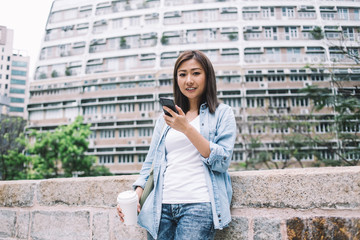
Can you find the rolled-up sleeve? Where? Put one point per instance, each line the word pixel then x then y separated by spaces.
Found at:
pixel 222 146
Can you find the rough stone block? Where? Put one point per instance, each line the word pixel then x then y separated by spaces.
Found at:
pixel 17 193
pixel 22 225
pixel 298 188
pixel 100 226
pixel 238 230
pixel 323 228
pixel 267 229
pixel 7 223
pixel 120 231
pixel 56 225
pixel 95 191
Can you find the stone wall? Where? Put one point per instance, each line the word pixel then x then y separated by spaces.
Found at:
pixel 312 203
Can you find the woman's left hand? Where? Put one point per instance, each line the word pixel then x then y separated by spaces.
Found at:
pixel 177 121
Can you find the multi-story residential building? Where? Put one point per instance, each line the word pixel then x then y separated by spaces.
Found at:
pixel 14 72
pixel 110 61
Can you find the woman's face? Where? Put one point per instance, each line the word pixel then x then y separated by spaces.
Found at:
pixel 191 80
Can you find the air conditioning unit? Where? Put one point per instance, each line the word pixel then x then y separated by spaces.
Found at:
pixel 145 115
pixel 263 85
pixel 132 142
pixel 144 142
pixel 307 83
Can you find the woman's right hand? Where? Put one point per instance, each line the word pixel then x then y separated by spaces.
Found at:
pixel 120 213
pixel 139 192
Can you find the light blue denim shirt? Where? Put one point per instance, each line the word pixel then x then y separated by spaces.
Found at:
pixel 219 129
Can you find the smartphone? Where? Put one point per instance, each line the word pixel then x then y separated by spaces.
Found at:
pixel 168 103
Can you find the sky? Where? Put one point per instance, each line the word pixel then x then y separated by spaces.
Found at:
pixel 28 20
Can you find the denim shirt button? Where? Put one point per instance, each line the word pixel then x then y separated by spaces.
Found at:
pixel 224 158
pixel 219 215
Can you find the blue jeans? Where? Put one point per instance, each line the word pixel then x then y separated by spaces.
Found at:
pixel 190 221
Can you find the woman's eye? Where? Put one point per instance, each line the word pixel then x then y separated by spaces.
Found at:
pixel 182 75
pixel 196 73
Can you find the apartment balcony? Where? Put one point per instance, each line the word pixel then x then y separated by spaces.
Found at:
pixel 262 58
pixel 262 36
pixel 340 36
pixel 122 6
pixel 65 32
pixel 340 16
pixel 184 2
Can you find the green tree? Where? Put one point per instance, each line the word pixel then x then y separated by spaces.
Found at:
pixel 11 128
pixel 317 33
pixel 45 151
pixel 164 40
pixel 64 149
pixel 73 146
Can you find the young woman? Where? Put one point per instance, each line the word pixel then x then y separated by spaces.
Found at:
pixel 190 152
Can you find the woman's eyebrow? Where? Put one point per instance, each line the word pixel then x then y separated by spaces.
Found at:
pixel 193 69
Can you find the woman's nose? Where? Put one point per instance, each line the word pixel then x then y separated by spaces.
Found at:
pixel 189 79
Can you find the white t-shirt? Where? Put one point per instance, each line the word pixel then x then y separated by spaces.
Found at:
pixel 184 177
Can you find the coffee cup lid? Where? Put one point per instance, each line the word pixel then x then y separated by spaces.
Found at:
pixel 126 195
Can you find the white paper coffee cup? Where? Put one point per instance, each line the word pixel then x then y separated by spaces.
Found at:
pixel 128 203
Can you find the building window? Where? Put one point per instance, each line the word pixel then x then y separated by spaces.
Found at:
pixel 141 158
pixel 107 159
pixel 19 64
pixel 276 78
pixel 288 12
pixel 92 110
pixel 106 109
pixel 124 159
pixel 92 135
pixel 255 102
pixel 257 129
pixel 16 109
pixel 126 107
pixel 145 107
pixel 18 73
pixel 233 102
pixel 18 82
pixel 299 102
pixel 323 128
pixel 17 90
pixel 126 133
pixel 237 157
pixel 279 130
pixel 145 132
pixel 296 78
pixel 107 134
pixel 279 156
pixel 16 100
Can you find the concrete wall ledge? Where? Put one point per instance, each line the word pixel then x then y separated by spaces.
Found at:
pixel 310 203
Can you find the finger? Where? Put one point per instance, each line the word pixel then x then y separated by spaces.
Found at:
pixel 180 110
pixel 138 207
pixel 120 213
pixel 169 110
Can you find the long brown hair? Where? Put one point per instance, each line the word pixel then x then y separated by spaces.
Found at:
pixel 210 94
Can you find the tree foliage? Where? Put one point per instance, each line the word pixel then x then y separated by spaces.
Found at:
pixel 11 131
pixel 62 151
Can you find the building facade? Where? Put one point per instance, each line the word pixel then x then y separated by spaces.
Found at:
pixel 14 76
pixel 110 61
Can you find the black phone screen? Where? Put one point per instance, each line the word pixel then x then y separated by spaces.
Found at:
pixel 168 103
